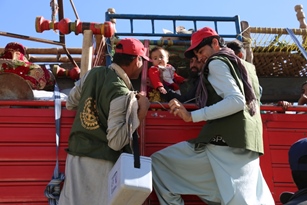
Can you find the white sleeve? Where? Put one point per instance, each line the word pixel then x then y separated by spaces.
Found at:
pixel 226 87
pixel 75 94
pixel 118 133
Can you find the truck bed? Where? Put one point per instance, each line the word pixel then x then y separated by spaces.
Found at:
pixel 28 148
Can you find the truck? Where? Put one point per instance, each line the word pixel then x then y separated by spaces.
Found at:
pixel 34 132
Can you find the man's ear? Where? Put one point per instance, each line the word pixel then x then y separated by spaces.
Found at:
pixel 135 60
pixel 215 43
pixel 240 55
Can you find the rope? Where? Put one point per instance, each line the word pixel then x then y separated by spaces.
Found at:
pixel 53 189
pixel 74 8
pixel 54 10
pixel 161 105
pixel 247 40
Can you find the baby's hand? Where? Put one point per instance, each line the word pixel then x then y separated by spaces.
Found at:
pixel 162 90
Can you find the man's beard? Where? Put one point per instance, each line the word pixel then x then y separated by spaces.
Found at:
pixel 193 73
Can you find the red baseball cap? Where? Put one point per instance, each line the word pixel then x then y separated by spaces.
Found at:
pixel 197 38
pixel 13 46
pixel 132 46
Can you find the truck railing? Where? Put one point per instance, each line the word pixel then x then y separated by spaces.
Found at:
pixel 174 19
pixel 154 20
pixel 153 106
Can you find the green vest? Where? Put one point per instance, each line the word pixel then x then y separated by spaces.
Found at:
pixel 89 130
pixel 239 130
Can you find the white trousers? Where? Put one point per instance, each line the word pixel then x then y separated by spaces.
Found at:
pixel 86 181
pixel 216 174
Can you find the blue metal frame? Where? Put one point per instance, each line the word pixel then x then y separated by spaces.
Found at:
pixel 174 19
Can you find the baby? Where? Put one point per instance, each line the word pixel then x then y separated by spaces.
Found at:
pixel 161 72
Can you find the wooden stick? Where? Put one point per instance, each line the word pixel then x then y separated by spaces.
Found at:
pixel 247 42
pixel 51 55
pixel 40 40
pixel 264 30
pixel 87 52
pixel 99 50
pixel 300 16
pixel 54 51
pixel 14 35
pixel 69 56
pixel 36 59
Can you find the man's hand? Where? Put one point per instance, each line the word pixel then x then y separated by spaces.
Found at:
pixel 177 108
pixel 284 104
pixel 143 104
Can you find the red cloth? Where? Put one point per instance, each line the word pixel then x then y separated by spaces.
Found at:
pixel 13 60
pixel 156 79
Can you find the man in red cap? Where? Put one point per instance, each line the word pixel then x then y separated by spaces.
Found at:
pixel 104 99
pixel 221 165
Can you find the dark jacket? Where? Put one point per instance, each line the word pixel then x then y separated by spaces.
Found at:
pixel 239 130
pixel 88 136
pixel 297 198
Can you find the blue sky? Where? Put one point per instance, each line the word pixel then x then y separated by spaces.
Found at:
pixel 19 16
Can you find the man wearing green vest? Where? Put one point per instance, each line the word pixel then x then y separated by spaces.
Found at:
pixel 108 112
pixel 221 165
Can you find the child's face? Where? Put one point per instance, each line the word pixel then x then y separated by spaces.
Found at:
pixel 159 58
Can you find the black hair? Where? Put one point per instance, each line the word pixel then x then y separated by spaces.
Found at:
pixel 208 41
pixel 300 179
pixel 235 46
pixel 156 48
pixel 122 59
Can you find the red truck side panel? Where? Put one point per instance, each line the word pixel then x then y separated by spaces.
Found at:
pixel 27 153
pixel 27 149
